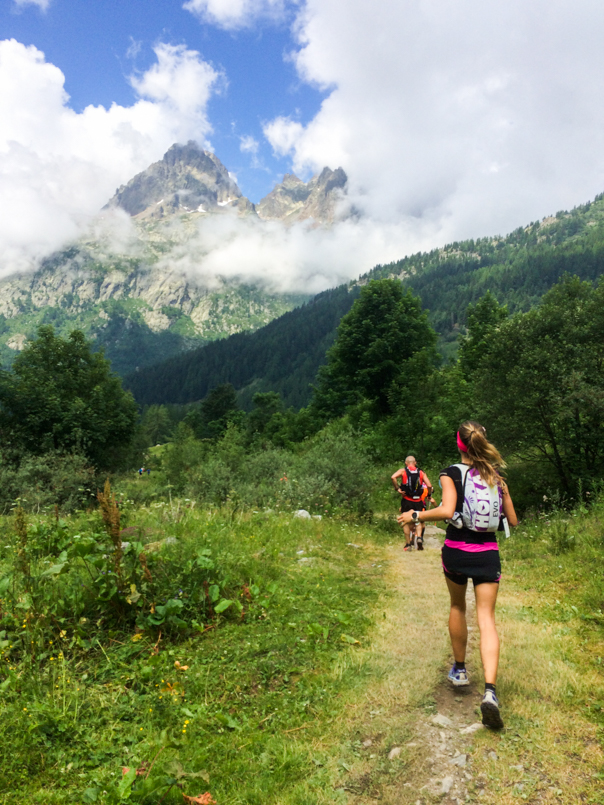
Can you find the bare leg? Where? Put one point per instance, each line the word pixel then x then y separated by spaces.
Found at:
pixel 407 530
pixel 458 628
pixel 486 596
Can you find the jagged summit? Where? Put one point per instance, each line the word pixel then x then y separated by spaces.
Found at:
pixel 294 200
pixel 187 179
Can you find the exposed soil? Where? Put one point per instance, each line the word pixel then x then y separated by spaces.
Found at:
pixel 444 740
pixel 436 762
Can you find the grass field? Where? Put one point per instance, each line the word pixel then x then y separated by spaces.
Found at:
pixel 292 645
pixel 208 703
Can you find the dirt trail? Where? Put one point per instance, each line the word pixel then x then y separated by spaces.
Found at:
pixel 415 729
pixel 412 739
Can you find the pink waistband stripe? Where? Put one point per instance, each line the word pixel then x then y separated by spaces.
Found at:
pixel 470 547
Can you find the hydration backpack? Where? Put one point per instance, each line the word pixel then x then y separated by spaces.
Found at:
pixel 482 504
pixel 411 487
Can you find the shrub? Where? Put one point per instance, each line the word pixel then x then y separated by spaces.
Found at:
pixel 331 472
pixel 63 479
pixel 107 577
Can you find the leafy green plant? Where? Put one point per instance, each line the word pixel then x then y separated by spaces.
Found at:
pixel 242 643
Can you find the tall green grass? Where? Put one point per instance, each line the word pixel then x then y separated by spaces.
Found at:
pixel 219 699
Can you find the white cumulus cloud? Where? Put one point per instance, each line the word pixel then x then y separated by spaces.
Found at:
pixel 457 119
pixel 233 14
pixel 248 144
pixel 58 167
pixel 42 4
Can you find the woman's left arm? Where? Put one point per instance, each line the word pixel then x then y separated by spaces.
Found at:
pixel 508 506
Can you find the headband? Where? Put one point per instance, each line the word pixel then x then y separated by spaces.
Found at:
pixel 460 444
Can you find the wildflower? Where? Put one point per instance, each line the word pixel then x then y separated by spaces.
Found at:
pixel 62 633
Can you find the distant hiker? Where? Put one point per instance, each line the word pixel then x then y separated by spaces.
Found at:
pixel 141 470
pixel 415 487
pixel 476 503
pixel 148 471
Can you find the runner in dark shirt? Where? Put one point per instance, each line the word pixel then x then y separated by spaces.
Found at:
pixel 415 487
pixel 473 553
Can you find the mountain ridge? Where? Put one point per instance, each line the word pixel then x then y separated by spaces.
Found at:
pixel 136 291
pixel 189 179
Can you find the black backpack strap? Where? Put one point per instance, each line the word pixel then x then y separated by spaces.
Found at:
pixel 463 469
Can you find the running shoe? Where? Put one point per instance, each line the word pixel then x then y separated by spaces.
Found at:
pixel 458 678
pixel 491 717
pixel 408 546
pixel 420 544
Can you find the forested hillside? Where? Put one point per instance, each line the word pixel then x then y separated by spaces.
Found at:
pixel 517 269
pixel 284 356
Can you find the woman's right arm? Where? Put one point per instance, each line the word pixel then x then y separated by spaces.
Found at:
pixel 508 506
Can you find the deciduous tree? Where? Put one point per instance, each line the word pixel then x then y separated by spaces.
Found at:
pixel 62 396
pixel 540 382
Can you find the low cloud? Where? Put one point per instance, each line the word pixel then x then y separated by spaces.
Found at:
pixel 58 167
pixel 297 259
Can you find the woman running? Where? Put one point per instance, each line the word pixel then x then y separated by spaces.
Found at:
pixel 473 553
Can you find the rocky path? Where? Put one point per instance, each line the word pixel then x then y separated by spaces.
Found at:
pixel 446 737
pixel 411 698
pixel 412 739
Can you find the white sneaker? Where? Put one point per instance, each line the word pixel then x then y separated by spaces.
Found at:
pixel 458 678
pixel 491 717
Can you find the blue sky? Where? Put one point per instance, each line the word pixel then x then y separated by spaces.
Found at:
pixel 98 43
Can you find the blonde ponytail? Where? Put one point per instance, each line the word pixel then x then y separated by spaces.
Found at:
pixel 483 455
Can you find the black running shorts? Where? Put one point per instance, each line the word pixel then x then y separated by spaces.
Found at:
pixel 412 505
pixel 483 567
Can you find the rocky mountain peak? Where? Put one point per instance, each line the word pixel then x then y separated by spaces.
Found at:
pixel 294 200
pixel 188 179
pixel 291 180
